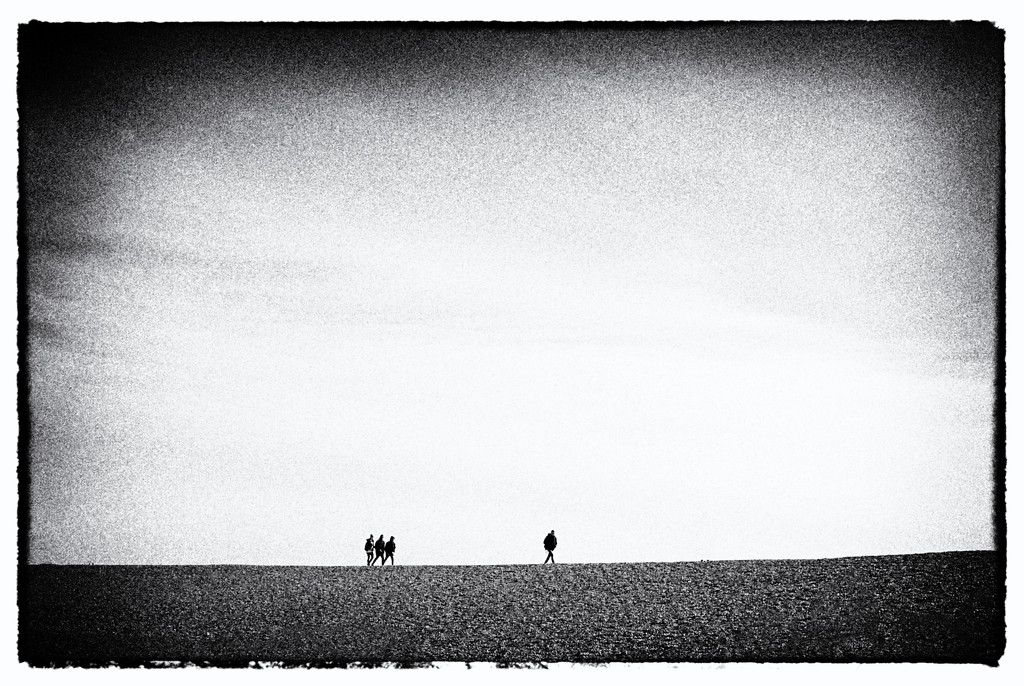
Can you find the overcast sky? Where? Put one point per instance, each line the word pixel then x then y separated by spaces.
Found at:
pixel 707 292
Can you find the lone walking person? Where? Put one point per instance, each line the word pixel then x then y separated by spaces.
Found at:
pixel 369 550
pixel 549 545
pixel 389 549
pixel 378 547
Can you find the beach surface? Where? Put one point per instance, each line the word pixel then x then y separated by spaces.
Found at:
pixel 936 607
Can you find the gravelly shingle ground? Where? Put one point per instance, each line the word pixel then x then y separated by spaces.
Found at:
pixel 942 607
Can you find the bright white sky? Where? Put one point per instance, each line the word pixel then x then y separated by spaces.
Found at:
pixel 702 304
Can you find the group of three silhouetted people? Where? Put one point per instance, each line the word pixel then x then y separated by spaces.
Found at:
pixel 380 550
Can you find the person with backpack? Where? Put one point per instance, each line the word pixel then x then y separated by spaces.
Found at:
pixel 378 547
pixel 389 549
pixel 368 547
pixel 549 545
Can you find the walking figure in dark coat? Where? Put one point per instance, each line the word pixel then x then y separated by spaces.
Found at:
pixel 378 547
pixel 549 545
pixel 369 550
pixel 389 548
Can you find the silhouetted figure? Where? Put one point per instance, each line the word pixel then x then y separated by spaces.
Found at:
pixel 369 550
pixel 549 545
pixel 379 548
pixel 389 549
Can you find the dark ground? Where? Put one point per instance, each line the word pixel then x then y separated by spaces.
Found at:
pixel 942 607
